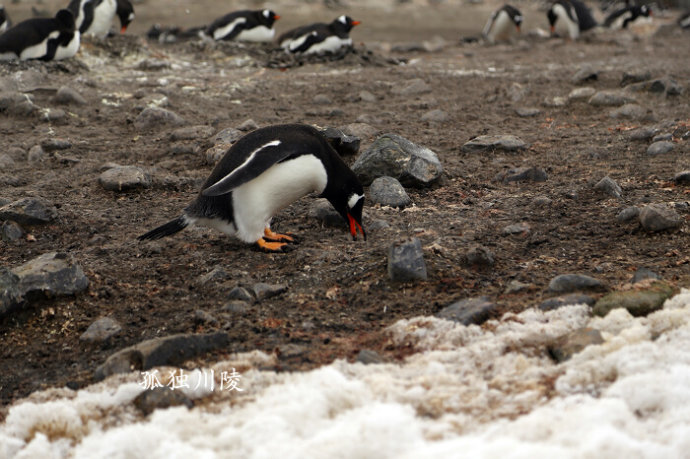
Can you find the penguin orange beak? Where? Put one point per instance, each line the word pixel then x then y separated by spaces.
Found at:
pixel 354 226
pixel 553 30
pixel 518 28
pixel 123 29
pixel 276 17
pixel 354 23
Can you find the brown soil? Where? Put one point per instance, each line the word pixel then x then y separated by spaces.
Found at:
pixel 339 299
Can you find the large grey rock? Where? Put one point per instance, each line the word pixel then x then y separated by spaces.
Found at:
pixel 17 104
pixel 170 350
pixel 241 294
pixel 659 217
pixel 659 148
pixel 406 262
pixel 635 77
pixel 29 211
pixel 68 96
pixel 638 302
pixel 609 186
pixel 101 330
pixel 387 191
pixel 572 343
pixel 567 283
pixel 159 398
pixel 10 231
pixel 585 74
pixel 628 214
pixel 192 133
pixel 263 291
pixel 643 133
pixel 665 86
pixel 480 256
pixel 487 143
pixel 630 111
pixel 682 178
pixel 394 156
pixel 581 93
pixel 124 178
pixel 156 117
pixel 345 145
pixel 527 112
pixel 10 295
pixel 49 275
pixel 6 162
pixel 369 357
pixel 468 311
pixel 644 274
pixel 566 300
pixel 522 174
pixel 227 136
pixel 609 99
pixel 324 213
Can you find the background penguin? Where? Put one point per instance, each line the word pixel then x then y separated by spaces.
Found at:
pixel 684 20
pixel 244 26
pixel 94 17
pixel 5 22
pixel 503 24
pixel 623 17
pixel 319 37
pixel 263 172
pixel 573 14
pixel 125 13
pixel 41 38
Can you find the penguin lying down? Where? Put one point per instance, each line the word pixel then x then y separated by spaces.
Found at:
pixel 265 171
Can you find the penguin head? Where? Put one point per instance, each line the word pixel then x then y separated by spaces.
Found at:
pixel 125 12
pixel 267 18
pixel 645 11
pixel 344 23
pixel 66 19
pixel 552 19
pixel 346 195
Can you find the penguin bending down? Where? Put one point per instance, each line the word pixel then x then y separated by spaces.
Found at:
pixel 503 24
pixel 573 14
pixel 265 171
pixel 5 22
pixel 94 17
pixel 623 17
pixel 319 37
pixel 41 38
pixel 244 26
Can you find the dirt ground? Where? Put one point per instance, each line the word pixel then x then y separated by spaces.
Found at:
pixel 339 299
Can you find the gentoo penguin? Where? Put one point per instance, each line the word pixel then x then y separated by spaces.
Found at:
pixel 94 17
pixel 623 17
pixel 573 14
pixel 125 13
pixel 263 172
pixel 5 22
pixel 319 37
pixel 503 24
pixel 244 26
pixel 41 38
pixel 684 20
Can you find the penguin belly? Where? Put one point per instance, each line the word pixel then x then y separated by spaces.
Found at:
pixel 103 16
pixel 259 34
pixel 330 45
pixel 65 52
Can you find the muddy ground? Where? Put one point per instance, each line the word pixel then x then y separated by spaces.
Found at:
pixel 340 299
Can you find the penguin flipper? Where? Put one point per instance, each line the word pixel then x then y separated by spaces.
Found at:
pixel 166 229
pixel 307 42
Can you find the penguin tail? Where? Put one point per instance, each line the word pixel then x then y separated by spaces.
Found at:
pixel 172 227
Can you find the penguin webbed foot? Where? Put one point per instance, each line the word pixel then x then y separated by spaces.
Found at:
pixel 273 247
pixel 280 237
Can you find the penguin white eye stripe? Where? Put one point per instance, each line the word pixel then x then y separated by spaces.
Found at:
pixel 343 19
pixel 354 199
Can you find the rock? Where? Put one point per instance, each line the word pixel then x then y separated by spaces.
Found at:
pixel 345 145
pixel 366 96
pixel 435 116
pixel 609 99
pixel 323 212
pixel 369 357
pixel 572 343
pixel 659 217
pixel 360 130
pixel 248 125
pixel 480 256
pixel 153 65
pixel 566 283
pixel 490 143
pixel 52 274
pixel 36 153
pixel 10 293
pixel 240 293
pixel 101 330
pixel 584 75
pixel 406 262
pixel 628 214
pixel 160 397
pixel 630 111
pixel 581 93
pixel 635 77
pixel 192 133
pixel 53 115
pixel 68 96
pixel 412 87
pixel 10 231
pixel 124 178
pixel 322 99
pixel 170 350
pixel 50 145
pixel 228 136
pixel 659 148
pixel 469 311
pixel 387 191
pixel 542 201
pixel 29 211
pixel 6 161
pixel 517 92
pixel 17 104
pixel 526 112
pixel 522 174
pixel 236 307
pixel 156 117
pixel 522 229
pixel 682 178
pixel 639 303
pixel 644 274
pixel 204 318
pixel 682 131
pixel 609 186
pixel 394 156
pixel 643 133
pixel 264 291
pixel 566 300
pixel 665 86
pixel 217 274
pixel 515 286
pixel 216 153
pixel 555 102
pixel 378 224
pixel 662 137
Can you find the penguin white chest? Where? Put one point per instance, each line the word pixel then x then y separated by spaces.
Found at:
pixel 501 28
pixel 329 45
pixel 65 52
pixel 103 16
pixel 256 201
pixel 565 22
pixel 258 33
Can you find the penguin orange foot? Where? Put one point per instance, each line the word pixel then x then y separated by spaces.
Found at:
pixel 278 237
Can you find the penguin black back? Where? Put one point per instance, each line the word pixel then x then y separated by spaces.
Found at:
pixel 623 17
pixel 240 24
pixel 38 38
pixel 125 13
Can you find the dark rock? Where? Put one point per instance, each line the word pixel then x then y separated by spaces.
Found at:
pixel 217 274
pixel 369 357
pixel 325 214
pixel 10 293
pixel 627 214
pixel 50 145
pixel 663 137
pixel 609 186
pixel 264 291
pixel 643 133
pixel 236 307
pixel 659 148
pixel 387 191
pixel 566 300
pixel 68 96
pixel 17 104
pixel 170 350
pixel 682 178
pixel 228 136
pixel 345 145
pixel 216 152
pixel 394 156
pixel 53 115
pixel 156 117
pixel 412 87
pixel 584 75
pixel 36 153
pixel 29 211
pixel 406 262
pixel 192 133
pixel 572 343
pixel 542 201
pixel 644 274
pixel 10 231
pixel 248 125
pixel 522 174
pixel 635 77
pixel 631 112
pixel 659 86
pixel 203 317
pixel 50 275
pixel 659 217
pixel 101 330
pixel 682 131
pixel 124 178
pixel 240 293
pixel 517 228
pixel 566 283
pixel 160 397
pixel 639 303
pixel 469 311
pixel 479 256
pixel 490 143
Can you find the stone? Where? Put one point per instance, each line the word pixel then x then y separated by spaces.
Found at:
pixel 522 229
pixel 469 311
pixel 101 330
pixel 644 274
pixel 412 87
pixel 263 291
pixel 567 283
pixel 68 96
pixel 204 318
pixel 581 93
pixel 517 92
pixel 55 144
pixel 324 213
pixel 394 156
pixel 322 99
pixel 10 294
pixel 639 303
pixel 609 99
pixel 153 65
pixel 630 111
pixel 643 133
pixel 29 211
pixel 435 116
pixel 663 137
pixel 527 112
pixel 584 75
pixel 515 286
pixel 609 187
pixel 236 307
pixel 666 86
pixel 660 148
pixel 568 345
pixel 159 398
pixel 240 293
pixel 360 130
pixel 345 145
pixel 6 161
pixel 248 125
pixel 49 275
pixel 628 214
pixel 369 357
pixel 17 104
pixel 192 133
pixel 36 153
pixel 490 143
pixel 156 117
pixel 406 262
pixel 635 77
pixel 366 96
pixel 53 115
pixel 542 201
pixel 10 231
pixel 682 178
pixel 480 256
pixel 216 153
pixel 124 178
pixel 522 174
pixel 387 191
pixel 217 274
pixel 566 300
pixel 555 102
pixel 170 350
pixel 659 217
pixel 228 136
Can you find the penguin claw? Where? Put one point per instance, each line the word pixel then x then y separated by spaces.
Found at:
pixel 273 247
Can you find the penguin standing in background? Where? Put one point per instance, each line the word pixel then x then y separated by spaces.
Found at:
pixel 573 15
pixel 623 17
pixel 125 13
pixel 94 17
pixel 5 22
pixel 684 20
pixel 503 24
pixel 319 37
pixel 41 38
pixel 244 26
pixel 263 172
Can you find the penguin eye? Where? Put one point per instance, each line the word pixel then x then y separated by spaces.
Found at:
pixel 353 200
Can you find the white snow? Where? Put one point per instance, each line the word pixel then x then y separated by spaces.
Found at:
pixel 468 391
